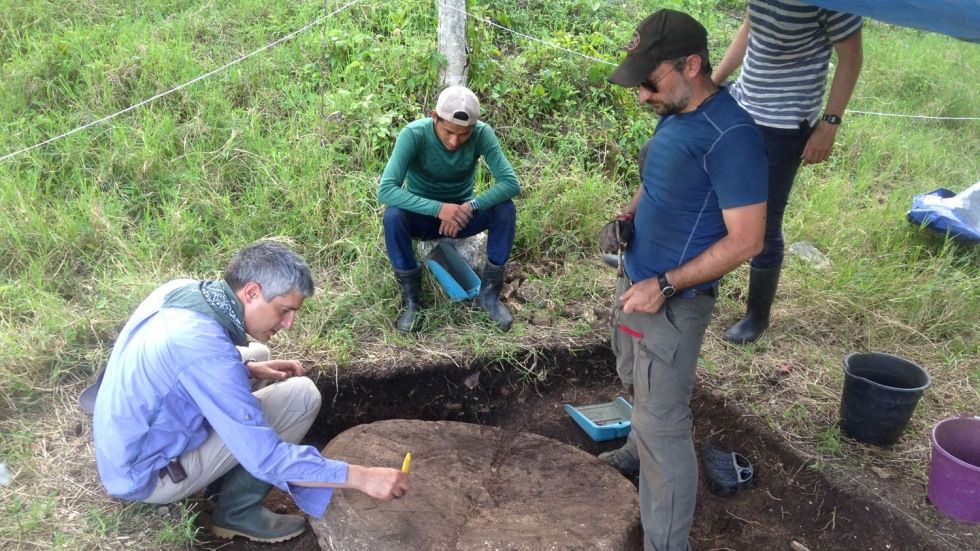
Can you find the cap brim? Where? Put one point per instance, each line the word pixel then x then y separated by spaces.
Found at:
pixel 630 72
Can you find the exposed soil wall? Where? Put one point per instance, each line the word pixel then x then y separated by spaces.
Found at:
pixel 793 501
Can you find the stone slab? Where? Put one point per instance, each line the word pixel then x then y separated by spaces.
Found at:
pixel 475 487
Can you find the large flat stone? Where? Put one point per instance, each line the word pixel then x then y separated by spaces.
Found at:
pixel 477 487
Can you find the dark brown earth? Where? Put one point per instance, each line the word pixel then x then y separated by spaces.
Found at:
pixel 793 506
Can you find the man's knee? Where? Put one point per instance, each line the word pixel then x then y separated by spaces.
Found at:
pixel 306 393
pixel 255 352
pixel 394 217
pixel 297 394
pixel 506 212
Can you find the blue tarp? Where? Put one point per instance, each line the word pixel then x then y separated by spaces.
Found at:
pixel 959 18
pixel 949 212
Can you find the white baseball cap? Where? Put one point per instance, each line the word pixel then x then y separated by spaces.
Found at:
pixel 458 105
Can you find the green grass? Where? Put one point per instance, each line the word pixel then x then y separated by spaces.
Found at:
pixel 291 143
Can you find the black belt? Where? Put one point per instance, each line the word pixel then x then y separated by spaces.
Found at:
pixel 692 293
pixel 689 292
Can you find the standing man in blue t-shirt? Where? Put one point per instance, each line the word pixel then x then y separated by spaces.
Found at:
pixel 699 213
pixel 784 49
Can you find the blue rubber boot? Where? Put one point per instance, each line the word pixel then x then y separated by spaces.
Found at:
pixel 239 511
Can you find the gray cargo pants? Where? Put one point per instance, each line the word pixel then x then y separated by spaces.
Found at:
pixel 663 350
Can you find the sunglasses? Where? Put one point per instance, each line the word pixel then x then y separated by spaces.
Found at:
pixel 651 85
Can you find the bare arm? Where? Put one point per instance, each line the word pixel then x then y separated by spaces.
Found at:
pixel 746 227
pixel 850 58
pixel 733 55
pixel 631 208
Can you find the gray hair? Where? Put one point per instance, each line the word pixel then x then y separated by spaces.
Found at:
pixel 274 266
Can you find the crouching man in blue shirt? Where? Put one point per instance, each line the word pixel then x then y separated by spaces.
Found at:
pixel 176 409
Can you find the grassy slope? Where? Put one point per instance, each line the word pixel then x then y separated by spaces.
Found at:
pixel 290 143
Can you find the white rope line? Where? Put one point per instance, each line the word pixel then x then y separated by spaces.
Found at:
pixel 928 117
pixel 273 44
pixel 552 45
pixel 319 20
pixel 527 36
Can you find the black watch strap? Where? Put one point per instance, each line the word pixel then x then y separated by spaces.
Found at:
pixel 666 288
pixel 831 119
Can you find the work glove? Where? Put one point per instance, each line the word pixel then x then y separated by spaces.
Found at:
pixel 609 241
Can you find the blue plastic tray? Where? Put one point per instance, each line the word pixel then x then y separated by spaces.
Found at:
pixel 452 272
pixel 603 421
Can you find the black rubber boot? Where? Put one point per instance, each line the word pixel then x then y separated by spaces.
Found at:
pixel 410 282
pixel 491 284
pixel 239 511
pixel 762 292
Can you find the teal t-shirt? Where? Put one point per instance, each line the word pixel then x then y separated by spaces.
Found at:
pixel 422 174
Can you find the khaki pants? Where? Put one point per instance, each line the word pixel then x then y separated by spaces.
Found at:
pixel 289 407
pixel 662 350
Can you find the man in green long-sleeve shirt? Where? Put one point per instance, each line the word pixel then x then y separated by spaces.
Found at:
pixel 428 188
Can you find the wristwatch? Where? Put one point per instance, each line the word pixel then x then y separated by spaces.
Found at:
pixel 473 205
pixel 831 119
pixel 666 288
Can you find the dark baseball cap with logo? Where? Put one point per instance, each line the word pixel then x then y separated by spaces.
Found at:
pixel 666 34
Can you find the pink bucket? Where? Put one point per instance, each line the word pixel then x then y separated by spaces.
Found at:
pixel 954 475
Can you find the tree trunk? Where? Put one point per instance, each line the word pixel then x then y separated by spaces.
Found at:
pixel 452 41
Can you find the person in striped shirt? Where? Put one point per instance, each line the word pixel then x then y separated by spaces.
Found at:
pixel 784 48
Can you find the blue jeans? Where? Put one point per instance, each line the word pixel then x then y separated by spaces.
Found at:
pixel 401 226
pixel 785 147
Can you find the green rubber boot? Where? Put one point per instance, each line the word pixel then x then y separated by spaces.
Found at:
pixel 239 511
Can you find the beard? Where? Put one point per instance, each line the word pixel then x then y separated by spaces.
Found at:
pixel 674 105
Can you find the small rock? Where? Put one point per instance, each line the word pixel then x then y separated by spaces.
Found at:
pixel 5 476
pixel 797 546
pixel 810 254
pixel 884 473
pixel 472 381
pixel 540 318
pixel 717 394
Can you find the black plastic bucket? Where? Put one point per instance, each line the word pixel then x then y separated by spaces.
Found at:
pixel 880 393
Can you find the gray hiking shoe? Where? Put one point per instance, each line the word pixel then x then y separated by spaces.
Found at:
pixel 623 460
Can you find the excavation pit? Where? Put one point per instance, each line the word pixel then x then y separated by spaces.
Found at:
pixel 793 502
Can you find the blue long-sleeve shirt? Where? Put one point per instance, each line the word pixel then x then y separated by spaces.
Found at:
pixel 173 376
